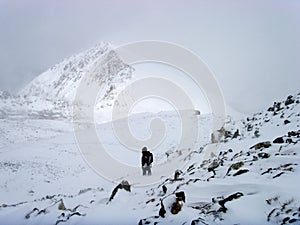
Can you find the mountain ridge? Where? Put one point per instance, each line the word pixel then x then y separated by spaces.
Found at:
pixel 54 90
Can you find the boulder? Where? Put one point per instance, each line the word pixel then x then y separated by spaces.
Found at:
pixel 263 155
pixel 278 140
pixel 211 168
pixel 180 196
pixel 240 172
pixel 162 210
pixel 123 185
pixel 294 133
pixel 176 207
pixel 177 174
pixel 265 144
pixel 289 100
pixel 222 202
pixel 164 188
pixel 61 205
pixel 235 166
pixel 236 134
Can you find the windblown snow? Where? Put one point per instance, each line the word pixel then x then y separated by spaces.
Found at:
pixel 45 180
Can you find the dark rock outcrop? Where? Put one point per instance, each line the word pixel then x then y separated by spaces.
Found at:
pixel 278 140
pixel 265 144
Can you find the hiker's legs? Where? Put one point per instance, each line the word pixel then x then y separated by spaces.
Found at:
pixel 144 170
pixel 149 170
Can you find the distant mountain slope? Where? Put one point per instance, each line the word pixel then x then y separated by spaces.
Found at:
pixel 61 81
pixel 54 90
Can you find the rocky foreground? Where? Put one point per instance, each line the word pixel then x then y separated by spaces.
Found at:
pixel 252 180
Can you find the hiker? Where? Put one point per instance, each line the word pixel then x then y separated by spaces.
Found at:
pixel 147 159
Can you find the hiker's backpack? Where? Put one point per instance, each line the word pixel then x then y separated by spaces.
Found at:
pixel 150 159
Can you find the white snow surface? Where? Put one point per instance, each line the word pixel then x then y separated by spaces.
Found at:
pixel 41 165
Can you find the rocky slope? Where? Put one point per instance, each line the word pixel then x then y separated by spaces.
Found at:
pixel 251 180
pixel 256 172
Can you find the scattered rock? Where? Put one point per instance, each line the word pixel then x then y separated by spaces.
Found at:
pixel 124 184
pixel 191 167
pixel 294 133
pixel 177 174
pixel 283 212
pixel 176 207
pixel 150 200
pixel 84 191
pixel 289 100
pixel 286 122
pixel 164 188
pixel 265 144
pixel 162 210
pixel 197 112
pixel 32 211
pixel 198 221
pixel 61 205
pixel 263 155
pixel 180 196
pixel 68 217
pixel 256 133
pixel 285 220
pixel 278 175
pixel 240 172
pixel 278 140
pixel 236 134
pixel 216 136
pixel 229 198
pixel 235 166
pixel 211 168
pixel 249 127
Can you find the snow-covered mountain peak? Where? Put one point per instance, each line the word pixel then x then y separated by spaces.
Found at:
pixel 61 81
pixel 54 90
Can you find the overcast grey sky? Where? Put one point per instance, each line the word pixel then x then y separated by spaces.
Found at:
pixel 252 47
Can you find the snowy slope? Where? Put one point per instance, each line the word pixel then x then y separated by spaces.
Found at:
pixel 251 179
pixel 269 187
pixel 46 181
pixel 52 93
pixel 61 81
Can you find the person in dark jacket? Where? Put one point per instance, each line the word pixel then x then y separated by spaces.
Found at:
pixel 147 159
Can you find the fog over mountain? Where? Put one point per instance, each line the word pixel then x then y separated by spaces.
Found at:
pixel 252 47
pixel 82 122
